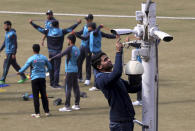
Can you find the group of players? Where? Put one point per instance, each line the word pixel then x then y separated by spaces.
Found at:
pixel 90 49
pixel 90 37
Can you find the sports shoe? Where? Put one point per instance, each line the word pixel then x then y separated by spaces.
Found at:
pixel 76 107
pixel 93 89
pixel 2 82
pixel 36 115
pixel 64 109
pixel 58 86
pixel 22 80
pixel 87 82
pixel 47 114
pixel 137 103
pixel 80 80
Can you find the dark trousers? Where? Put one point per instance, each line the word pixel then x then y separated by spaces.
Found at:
pixel 55 72
pixel 139 95
pixel 10 61
pixel 71 81
pixel 38 85
pixel 84 53
pixel 121 126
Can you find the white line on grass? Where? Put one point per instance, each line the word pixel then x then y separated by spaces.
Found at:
pixel 112 16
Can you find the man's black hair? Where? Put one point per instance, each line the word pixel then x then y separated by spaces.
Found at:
pixel 72 38
pixel 55 23
pixel 96 60
pixel 92 25
pixel 36 48
pixel 7 22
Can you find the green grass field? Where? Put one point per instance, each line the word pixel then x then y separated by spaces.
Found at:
pixel 176 66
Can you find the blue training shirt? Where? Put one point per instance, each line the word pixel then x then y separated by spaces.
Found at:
pixel 72 53
pixel 37 63
pixel 48 23
pixel 95 38
pixel 55 36
pixel 85 32
pixel 71 65
pixel 10 42
pixel 95 42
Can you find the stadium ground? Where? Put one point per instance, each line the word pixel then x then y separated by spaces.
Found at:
pixel 176 65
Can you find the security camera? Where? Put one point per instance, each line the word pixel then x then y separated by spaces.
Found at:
pixel 134 67
pixel 122 31
pixel 162 35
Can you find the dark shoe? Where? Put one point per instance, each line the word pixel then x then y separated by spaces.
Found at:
pixel 52 86
pixel 57 102
pixel 58 86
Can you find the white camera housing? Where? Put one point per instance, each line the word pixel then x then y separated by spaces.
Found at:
pixel 122 31
pixel 134 68
pixel 154 31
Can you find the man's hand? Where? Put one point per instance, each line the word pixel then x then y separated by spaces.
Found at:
pixel 18 73
pixel 119 46
pixel 73 32
pixel 117 37
pixel 30 21
pixel 127 39
pixel 13 56
pixel 79 21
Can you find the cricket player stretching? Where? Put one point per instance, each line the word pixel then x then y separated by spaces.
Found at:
pixel 72 53
pixel 95 37
pixel 10 45
pixel 38 62
pixel 55 40
pixel 85 52
pixel 48 23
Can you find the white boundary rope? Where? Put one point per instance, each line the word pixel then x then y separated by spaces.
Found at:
pixel 111 16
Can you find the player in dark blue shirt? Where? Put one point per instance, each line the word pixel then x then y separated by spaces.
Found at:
pixel 116 90
pixel 10 45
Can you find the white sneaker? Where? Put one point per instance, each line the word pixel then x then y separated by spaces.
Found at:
pixel 137 103
pixel 47 114
pixel 36 115
pixel 87 82
pixel 76 107
pixel 93 89
pixel 64 109
pixel 80 80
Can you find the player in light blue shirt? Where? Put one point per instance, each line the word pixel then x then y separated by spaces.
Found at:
pixel 38 64
pixel 72 53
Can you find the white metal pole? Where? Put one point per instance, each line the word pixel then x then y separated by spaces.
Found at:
pixel 150 76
